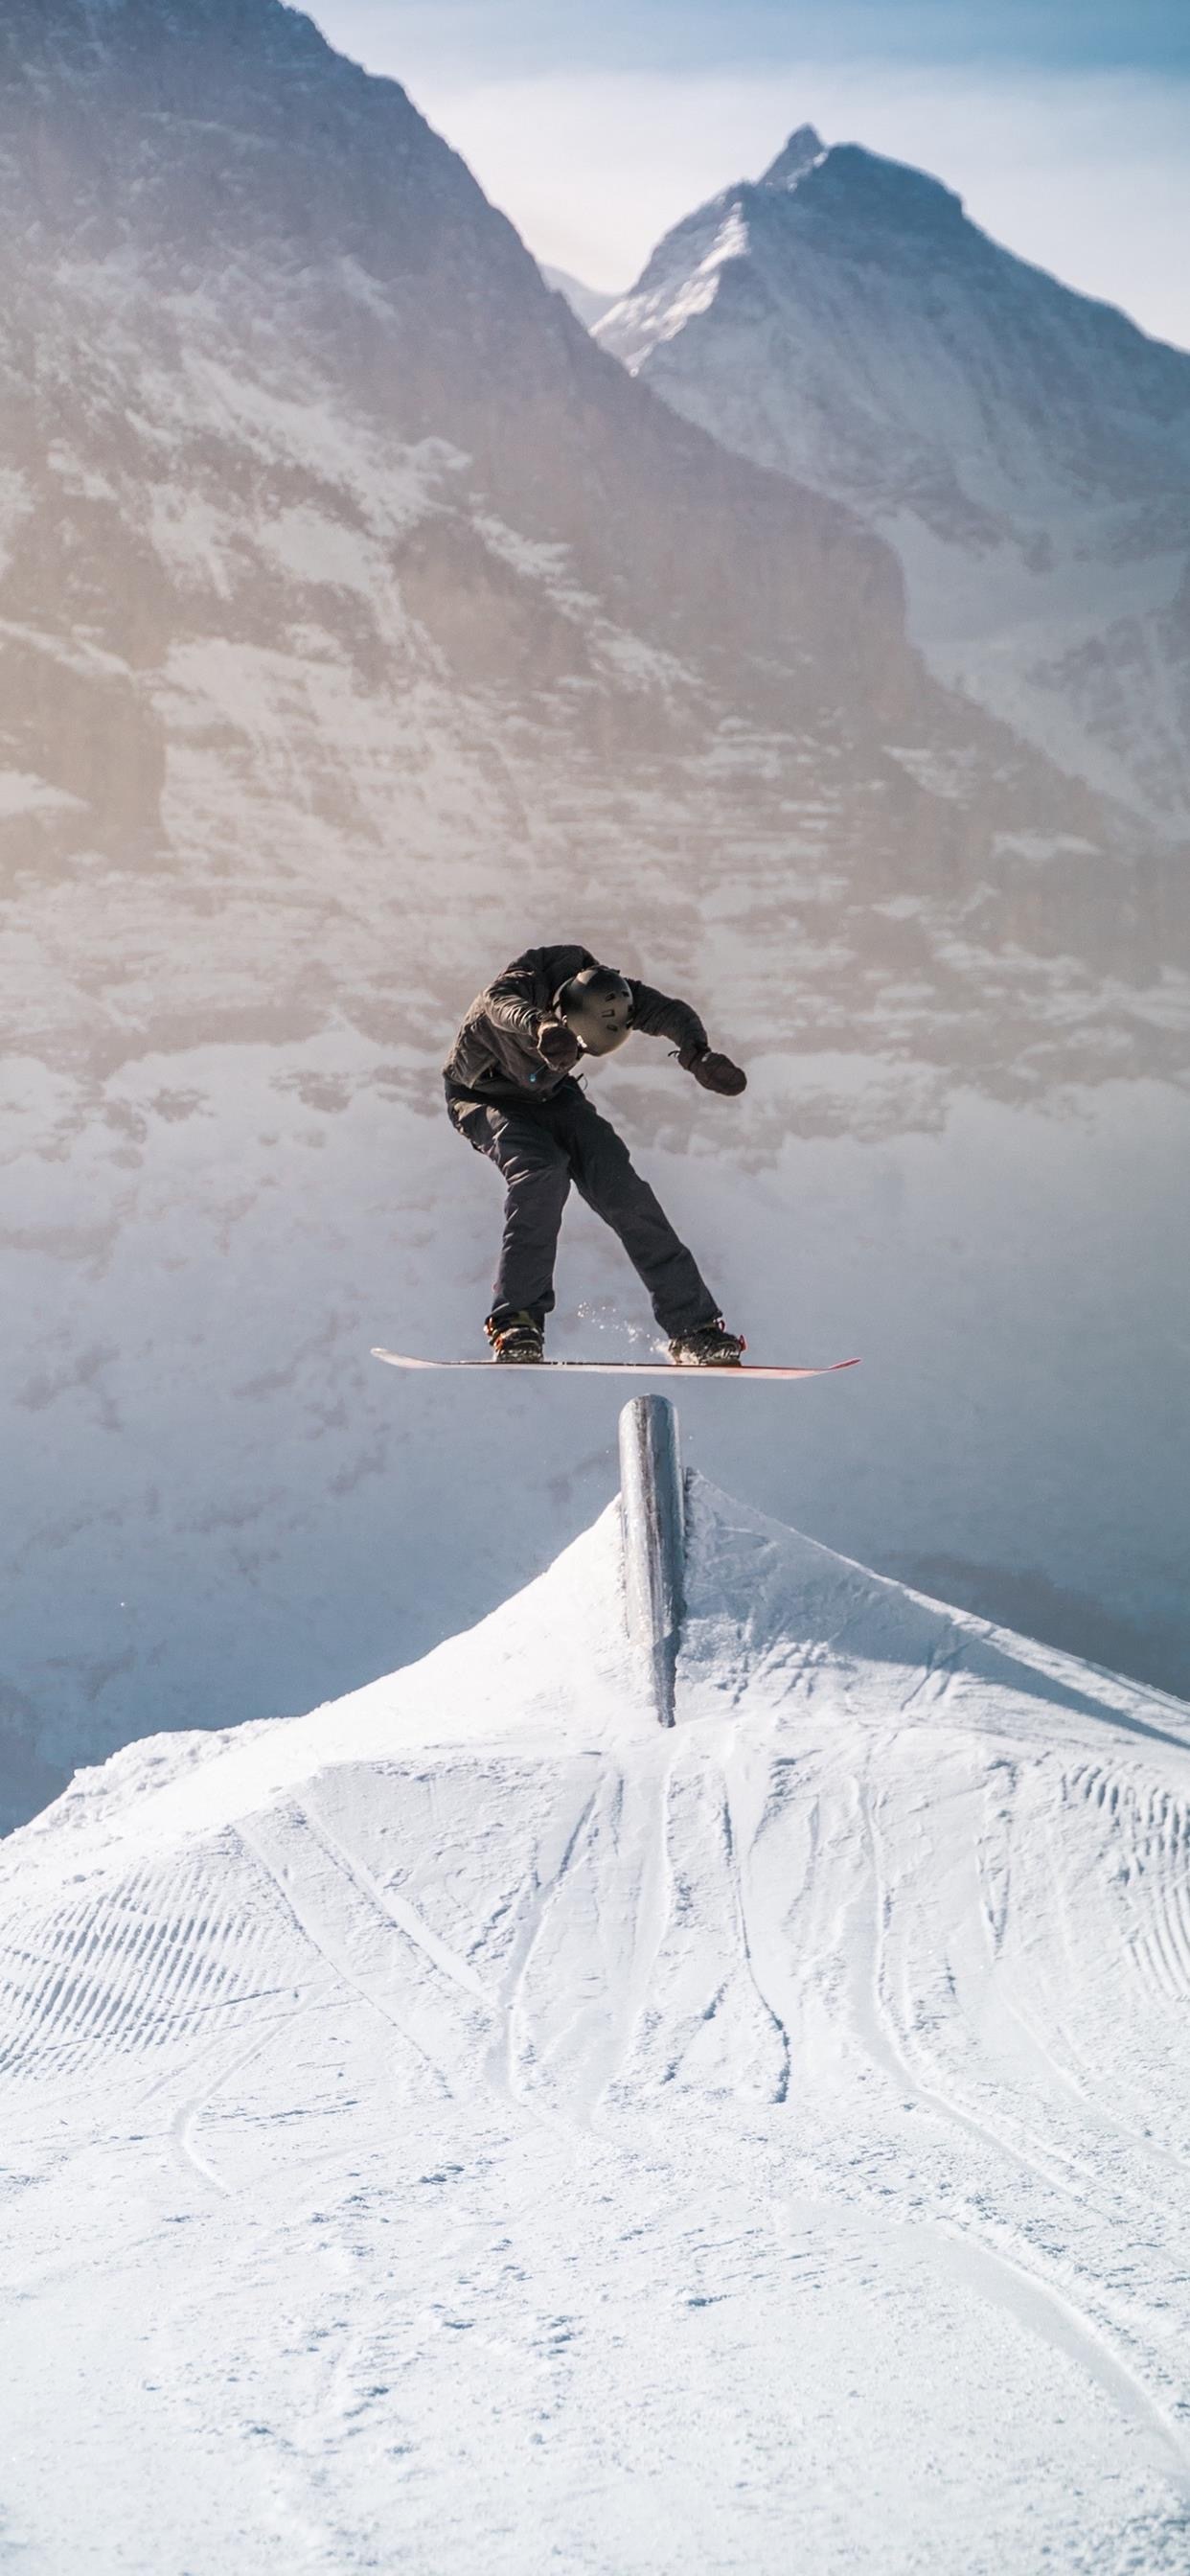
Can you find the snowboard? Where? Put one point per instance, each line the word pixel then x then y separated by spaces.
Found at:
pixel 612 1368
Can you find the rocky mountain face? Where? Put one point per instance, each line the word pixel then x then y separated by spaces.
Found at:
pixel 335 555
pixel 589 302
pixel 1024 449
pixel 360 621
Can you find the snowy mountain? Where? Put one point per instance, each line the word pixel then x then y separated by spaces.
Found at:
pixel 360 621
pixel 1026 450
pixel 468 2126
pixel 588 302
pixel 335 555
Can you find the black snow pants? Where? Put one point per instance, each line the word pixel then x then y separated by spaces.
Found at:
pixel 540 1150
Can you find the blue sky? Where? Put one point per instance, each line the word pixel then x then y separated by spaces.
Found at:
pixel 1065 124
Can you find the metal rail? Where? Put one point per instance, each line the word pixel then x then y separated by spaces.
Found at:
pixel 652 1507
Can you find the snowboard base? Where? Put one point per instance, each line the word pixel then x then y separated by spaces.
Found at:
pixel 611 1368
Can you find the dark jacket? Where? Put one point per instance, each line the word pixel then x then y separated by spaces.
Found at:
pixel 494 1056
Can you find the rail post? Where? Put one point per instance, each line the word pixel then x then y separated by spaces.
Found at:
pixel 653 1516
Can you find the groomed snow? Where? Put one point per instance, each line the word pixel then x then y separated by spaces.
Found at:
pixel 468 2128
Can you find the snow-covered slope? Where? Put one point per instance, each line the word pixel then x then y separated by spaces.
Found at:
pixel 469 2127
pixel 1027 451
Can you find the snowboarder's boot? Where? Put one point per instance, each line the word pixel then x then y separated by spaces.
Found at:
pixel 711 1346
pixel 515 1337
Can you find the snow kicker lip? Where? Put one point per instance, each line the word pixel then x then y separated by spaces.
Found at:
pixel 623 1368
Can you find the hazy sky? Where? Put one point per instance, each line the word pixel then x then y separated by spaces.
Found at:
pixel 1065 124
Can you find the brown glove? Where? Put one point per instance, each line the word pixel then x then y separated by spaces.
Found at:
pixel 558 1046
pixel 714 1072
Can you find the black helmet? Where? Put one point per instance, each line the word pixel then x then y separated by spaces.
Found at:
pixel 597 1008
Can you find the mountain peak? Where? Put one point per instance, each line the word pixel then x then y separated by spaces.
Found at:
pixel 803 149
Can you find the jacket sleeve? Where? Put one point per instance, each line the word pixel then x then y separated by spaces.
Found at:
pixel 521 997
pixel 657 1016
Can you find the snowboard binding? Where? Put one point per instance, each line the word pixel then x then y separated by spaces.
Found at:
pixel 711 1346
pixel 516 1339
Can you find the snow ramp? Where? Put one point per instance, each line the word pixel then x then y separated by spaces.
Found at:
pixel 472 2126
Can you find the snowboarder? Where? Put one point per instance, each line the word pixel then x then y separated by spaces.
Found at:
pixel 511 1091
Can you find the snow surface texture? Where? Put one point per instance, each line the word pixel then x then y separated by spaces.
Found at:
pixel 468 2127
pixel 1027 451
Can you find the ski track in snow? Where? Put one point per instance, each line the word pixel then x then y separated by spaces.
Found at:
pixel 501 2134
